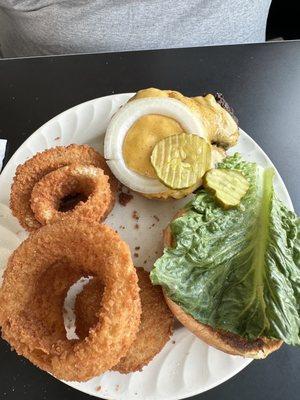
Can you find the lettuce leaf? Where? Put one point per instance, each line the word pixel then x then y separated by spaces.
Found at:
pixel 237 270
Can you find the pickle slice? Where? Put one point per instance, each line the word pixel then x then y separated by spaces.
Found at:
pixel 181 160
pixel 228 186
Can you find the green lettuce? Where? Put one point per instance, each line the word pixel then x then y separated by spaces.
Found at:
pixel 237 270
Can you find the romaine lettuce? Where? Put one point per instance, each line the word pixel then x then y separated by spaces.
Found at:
pixel 237 270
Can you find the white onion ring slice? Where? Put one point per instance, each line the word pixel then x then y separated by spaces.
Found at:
pixel 122 121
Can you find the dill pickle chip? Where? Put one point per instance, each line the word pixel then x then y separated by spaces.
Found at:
pixel 228 186
pixel 181 160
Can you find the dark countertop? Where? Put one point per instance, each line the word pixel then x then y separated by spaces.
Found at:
pixel 261 82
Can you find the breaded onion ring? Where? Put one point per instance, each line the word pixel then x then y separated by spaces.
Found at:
pixel 156 321
pixel 90 248
pixel 88 180
pixel 48 300
pixel 29 173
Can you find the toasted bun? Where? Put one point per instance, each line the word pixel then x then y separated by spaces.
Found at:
pixel 228 342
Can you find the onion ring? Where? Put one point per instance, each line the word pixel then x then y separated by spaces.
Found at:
pixel 48 300
pixel 156 321
pixel 90 248
pixel 29 173
pixel 48 192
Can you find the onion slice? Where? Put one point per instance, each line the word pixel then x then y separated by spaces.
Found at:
pixel 122 121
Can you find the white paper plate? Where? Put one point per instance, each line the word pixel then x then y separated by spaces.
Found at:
pixel 185 366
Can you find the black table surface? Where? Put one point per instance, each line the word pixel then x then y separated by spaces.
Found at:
pixel 261 82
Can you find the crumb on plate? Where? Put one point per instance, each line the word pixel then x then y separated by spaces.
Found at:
pixel 125 198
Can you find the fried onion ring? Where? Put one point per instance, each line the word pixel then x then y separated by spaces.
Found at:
pixel 48 300
pixel 88 180
pixel 156 321
pixel 90 248
pixel 29 173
